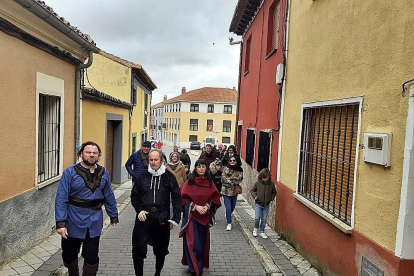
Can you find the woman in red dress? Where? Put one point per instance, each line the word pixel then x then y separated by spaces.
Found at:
pixel 200 199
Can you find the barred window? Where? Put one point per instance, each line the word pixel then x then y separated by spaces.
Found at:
pixel 210 108
pixel 226 126
pixel 194 108
pixel 192 138
pixel 250 146
pixel 225 140
pixel 209 125
pixel 327 157
pixel 194 124
pixel 227 109
pixel 265 142
pixel 48 137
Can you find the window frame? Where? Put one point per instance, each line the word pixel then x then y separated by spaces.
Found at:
pixel 194 107
pixel 227 137
pixel 275 11
pixel 212 125
pixel 192 125
pixel 253 146
pixel 344 227
pixel 226 109
pixel 210 108
pixel 247 55
pixel 225 127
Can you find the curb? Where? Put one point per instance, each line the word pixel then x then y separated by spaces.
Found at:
pixel 62 270
pixel 269 266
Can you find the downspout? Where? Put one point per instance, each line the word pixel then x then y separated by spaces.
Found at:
pixel 405 226
pixel 283 94
pixel 78 114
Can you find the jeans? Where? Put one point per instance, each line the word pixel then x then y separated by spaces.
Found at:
pixel 230 204
pixel 260 216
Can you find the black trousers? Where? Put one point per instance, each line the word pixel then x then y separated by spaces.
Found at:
pixel 90 249
pixel 150 232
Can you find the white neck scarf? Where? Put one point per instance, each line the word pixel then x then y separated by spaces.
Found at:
pixel 158 172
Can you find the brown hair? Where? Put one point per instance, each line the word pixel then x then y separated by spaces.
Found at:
pixel 88 143
pixel 265 173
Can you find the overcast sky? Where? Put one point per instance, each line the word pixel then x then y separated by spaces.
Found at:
pixel 179 43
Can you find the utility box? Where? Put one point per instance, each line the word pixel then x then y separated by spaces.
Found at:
pixel 377 148
pixel 279 73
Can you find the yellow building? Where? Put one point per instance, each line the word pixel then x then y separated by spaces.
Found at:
pixel 115 110
pixel 39 72
pixel 345 191
pixel 206 115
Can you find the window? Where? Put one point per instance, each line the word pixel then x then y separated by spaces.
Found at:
pixel 265 142
pixel 226 126
pixel 179 107
pixel 134 95
pixel 327 157
pixel 210 108
pixel 194 124
pixel 273 27
pixel 247 56
pixel 179 123
pixel 250 146
pixel 227 109
pixel 134 142
pixel 49 135
pixel 209 125
pixel 192 138
pixel 225 140
pixel 194 108
pixel 146 101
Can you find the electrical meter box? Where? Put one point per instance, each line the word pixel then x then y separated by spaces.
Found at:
pixel 377 148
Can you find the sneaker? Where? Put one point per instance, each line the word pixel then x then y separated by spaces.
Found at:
pixel 255 232
pixel 228 227
pixel 263 235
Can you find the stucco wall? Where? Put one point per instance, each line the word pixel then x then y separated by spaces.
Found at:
pixel 18 112
pixel 346 49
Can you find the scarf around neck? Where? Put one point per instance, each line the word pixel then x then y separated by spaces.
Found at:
pixel 144 158
pixel 173 166
pixel 160 171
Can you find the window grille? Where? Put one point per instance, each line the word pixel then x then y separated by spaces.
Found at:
pixel 209 125
pixel 265 141
pixel 194 124
pixel 227 109
pixel 226 126
pixel 276 20
pixel 250 146
pixel 327 158
pixel 225 140
pixel 48 137
pixel 194 108
pixel 210 108
pixel 192 138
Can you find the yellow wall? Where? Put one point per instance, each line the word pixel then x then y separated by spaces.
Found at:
pixel 217 118
pixel 110 77
pixel 18 112
pixel 138 116
pixel 340 49
pixel 94 126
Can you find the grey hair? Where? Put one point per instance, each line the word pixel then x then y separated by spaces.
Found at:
pixel 156 150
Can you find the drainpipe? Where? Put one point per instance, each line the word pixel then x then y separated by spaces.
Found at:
pixel 405 227
pixel 283 95
pixel 238 90
pixel 78 72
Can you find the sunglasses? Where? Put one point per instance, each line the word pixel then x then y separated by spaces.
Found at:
pixel 232 160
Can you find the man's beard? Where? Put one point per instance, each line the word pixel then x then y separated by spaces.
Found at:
pixel 87 163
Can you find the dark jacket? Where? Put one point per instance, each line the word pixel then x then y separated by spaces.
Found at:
pixel 155 191
pixel 216 176
pixel 264 192
pixel 135 166
pixel 186 160
pixel 209 158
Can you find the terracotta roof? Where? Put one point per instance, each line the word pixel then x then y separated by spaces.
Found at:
pixel 98 96
pixel 207 94
pixel 243 15
pixel 61 18
pixel 136 68
pixel 158 105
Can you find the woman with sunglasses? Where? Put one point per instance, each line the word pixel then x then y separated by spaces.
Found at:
pixel 231 152
pixel 231 177
pixel 200 200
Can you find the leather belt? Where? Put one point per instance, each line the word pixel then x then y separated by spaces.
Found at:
pixel 95 204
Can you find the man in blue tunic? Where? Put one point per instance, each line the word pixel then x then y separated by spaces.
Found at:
pixel 83 189
pixel 138 161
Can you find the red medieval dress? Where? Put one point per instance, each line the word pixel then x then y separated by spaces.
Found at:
pixel 195 227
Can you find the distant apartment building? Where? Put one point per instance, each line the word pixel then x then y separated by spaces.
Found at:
pixel 157 113
pixel 206 115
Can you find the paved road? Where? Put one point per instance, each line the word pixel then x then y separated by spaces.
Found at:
pixel 230 253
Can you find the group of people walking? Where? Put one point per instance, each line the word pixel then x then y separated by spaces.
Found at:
pixel 164 192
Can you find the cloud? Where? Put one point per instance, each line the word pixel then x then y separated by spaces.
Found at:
pixel 179 43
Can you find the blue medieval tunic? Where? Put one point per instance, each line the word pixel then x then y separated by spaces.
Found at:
pixel 78 220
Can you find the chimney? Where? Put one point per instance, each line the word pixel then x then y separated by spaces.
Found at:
pixel 234 87
pixel 165 98
pixel 183 91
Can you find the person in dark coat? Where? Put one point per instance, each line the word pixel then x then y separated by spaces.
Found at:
pixel 216 170
pixel 150 197
pixel 138 161
pixel 208 156
pixel 186 160
pixel 231 151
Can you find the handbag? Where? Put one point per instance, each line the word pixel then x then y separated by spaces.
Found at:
pixel 239 189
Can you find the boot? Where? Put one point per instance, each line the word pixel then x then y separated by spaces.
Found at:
pixel 73 268
pixel 89 270
pixel 159 264
pixel 139 266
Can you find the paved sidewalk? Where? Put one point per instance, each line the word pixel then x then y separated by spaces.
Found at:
pixel 234 252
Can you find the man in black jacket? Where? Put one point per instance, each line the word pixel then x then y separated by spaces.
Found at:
pixel 186 160
pixel 150 197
